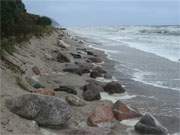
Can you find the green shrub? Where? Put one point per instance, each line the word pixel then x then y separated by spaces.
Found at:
pixel 17 24
pixel 44 21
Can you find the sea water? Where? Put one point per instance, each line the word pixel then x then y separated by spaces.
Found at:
pixel 149 54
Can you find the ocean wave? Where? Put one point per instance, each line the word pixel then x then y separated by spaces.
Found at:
pixel 161 31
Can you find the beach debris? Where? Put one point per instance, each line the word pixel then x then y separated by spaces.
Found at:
pixel 67 89
pixel 148 124
pixel 88 131
pixel 92 91
pixel 113 87
pixel 122 111
pixel 75 100
pixel 45 110
pixel 36 70
pixel 102 114
pixel 62 57
pixel 44 91
pixel 97 72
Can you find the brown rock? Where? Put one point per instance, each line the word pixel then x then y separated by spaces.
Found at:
pixel 44 91
pixel 102 114
pixel 122 111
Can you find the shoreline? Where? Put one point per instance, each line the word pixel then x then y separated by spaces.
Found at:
pixel 146 97
pixel 40 52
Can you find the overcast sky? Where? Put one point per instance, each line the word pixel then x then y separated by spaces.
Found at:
pixel 108 12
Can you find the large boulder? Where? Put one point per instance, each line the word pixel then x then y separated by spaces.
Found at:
pixel 122 111
pixel 66 89
pixel 97 72
pixel 75 101
pixel 44 91
pixel 113 87
pixel 148 124
pixel 92 91
pixel 102 114
pixel 62 58
pixel 45 110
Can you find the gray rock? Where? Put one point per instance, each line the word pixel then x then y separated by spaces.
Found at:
pixel 92 91
pixel 45 110
pixel 148 124
pixel 113 87
pixel 75 101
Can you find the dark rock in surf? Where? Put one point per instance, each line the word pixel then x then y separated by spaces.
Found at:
pixel 92 91
pixel 148 124
pixel 113 87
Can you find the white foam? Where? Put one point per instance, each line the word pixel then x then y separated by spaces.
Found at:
pixel 139 76
pixel 102 79
pixel 116 97
pixel 129 122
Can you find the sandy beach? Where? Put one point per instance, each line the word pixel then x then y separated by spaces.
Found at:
pixel 42 53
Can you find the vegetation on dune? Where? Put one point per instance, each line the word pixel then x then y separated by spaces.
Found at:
pixel 17 25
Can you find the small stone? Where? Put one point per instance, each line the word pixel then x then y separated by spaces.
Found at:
pixel 75 101
pixel 44 91
pixel 36 70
